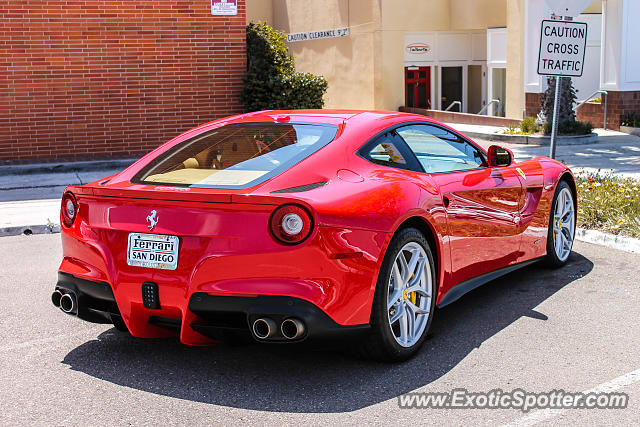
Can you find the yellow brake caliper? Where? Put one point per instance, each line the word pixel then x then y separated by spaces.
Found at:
pixel 413 296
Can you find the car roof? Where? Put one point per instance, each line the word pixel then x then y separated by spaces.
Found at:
pixel 334 117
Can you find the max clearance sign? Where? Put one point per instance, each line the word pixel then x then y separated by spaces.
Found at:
pixel 224 7
pixel 562 48
pixel 314 35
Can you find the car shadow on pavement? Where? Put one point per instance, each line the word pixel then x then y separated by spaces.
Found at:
pixel 285 378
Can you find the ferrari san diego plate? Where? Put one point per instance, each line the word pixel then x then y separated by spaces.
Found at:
pixel 153 251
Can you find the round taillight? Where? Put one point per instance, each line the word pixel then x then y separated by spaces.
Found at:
pixel 69 208
pixel 291 224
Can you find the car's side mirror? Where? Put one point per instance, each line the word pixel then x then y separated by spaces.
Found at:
pixel 499 157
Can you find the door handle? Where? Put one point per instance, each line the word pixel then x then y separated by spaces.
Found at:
pixel 446 201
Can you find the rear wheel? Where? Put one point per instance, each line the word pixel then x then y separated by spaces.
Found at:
pixel 404 300
pixel 562 226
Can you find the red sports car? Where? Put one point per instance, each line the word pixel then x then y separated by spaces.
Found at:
pixel 296 225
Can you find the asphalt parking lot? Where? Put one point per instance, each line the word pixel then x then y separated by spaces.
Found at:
pixel 535 329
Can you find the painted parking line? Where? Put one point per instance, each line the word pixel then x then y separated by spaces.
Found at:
pixel 541 415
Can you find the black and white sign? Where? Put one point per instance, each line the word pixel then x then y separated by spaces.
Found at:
pixel 224 7
pixel 153 251
pixel 562 48
pixel 314 35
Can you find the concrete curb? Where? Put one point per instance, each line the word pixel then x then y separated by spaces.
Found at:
pixel 630 130
pixel 41 168
pixel 30 229
pixel 534 139
pixel 622 243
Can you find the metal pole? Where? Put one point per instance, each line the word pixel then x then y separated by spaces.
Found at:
pixel 554 128
pixel 606 101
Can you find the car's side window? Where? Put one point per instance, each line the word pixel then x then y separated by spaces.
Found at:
pixel 439 150
pixel 388 150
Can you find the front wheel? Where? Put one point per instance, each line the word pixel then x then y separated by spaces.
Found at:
pixel 404 300
pixel 562 226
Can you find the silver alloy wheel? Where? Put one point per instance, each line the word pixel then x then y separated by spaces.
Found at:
pixel 564 219
pixel 410 293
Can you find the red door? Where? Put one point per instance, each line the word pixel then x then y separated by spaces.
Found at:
pixel 483 210
pixel 417 83
pixel 483 205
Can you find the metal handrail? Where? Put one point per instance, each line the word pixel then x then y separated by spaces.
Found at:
pixel 606 102
pixel 484 109
pixel 452 104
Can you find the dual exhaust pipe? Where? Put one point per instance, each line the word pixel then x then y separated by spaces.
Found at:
pixel 65 301
pixel 265 328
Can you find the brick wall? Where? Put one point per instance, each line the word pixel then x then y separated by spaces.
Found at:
pixel 594 113
pixel 99 78
pixel 619 104
pixel 533 104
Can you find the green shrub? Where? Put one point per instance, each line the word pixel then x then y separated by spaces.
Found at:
pixel 567 98
pixel 305 90
pixel 526 127
pixel 511 129
pixel 570 128
pixel 272 82
pixel 631 119
pixel 529 125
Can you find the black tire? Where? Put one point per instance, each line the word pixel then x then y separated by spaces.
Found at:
pixel 381 344
pixel 552 260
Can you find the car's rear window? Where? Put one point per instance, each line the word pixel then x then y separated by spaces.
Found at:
pixel 236 156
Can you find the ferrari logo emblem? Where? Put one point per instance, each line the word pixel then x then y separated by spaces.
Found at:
pixel 521 172
pixel 152 219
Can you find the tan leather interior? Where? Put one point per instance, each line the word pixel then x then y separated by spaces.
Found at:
pixel 191 163
pixel 218 152
pixel 192 176
pixel 236 152
pixel 181 176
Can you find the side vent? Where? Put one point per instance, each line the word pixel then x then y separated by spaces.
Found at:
pixel 301 188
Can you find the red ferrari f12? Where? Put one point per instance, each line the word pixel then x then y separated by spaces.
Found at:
pixel 298 225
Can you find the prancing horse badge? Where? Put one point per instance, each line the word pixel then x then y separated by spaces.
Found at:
pixel 153 219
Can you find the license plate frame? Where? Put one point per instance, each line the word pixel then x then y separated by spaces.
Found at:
pixel 157 251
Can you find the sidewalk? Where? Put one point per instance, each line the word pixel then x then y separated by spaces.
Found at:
pixel 30 217
pixel 615 151
pixel 30 195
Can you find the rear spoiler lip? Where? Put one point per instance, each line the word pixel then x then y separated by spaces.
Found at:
pixel 182 195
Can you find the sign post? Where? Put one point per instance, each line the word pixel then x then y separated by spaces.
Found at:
pixel 554 124
pixel 562 49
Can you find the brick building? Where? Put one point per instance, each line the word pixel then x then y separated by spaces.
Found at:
pixel 94 78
